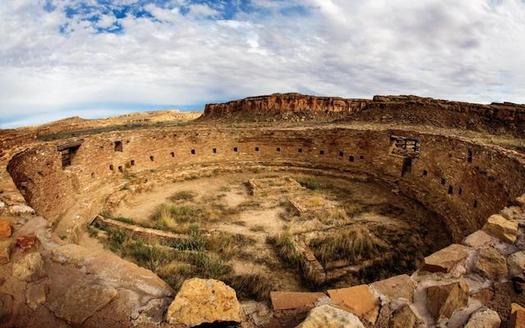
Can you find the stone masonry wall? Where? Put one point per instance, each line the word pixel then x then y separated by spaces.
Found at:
pixel 461 181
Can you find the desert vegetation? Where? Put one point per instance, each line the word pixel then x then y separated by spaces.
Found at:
pixel 245 233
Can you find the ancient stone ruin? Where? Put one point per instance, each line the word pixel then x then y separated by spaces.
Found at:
pixel 274 211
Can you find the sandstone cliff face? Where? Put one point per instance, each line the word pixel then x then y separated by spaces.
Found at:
pixel 289 106
pixel 497 118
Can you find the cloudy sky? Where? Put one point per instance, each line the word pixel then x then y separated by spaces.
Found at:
pixel 96 58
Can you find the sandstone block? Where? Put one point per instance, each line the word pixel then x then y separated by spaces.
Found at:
pixel 35 295
pixel 404 317
pixel 443 300
pixel 479 239
pixel 502 228
pixel 516 264
pixel 484 318
pixel 520 201
pixel 202 301
pixel 491 264
pixel 294 300
pixel 359 300
pixel 446 259
pixel 326 316
pixel 81 301
pixel 396 287
pixel 5 228
pixel 517 316
pixel 512 213
pixel 29 268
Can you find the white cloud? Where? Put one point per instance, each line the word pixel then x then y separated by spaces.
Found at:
pixel 469 50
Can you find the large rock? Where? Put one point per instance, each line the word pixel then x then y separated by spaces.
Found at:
pixel 326 316
pixel 29 268
pixel 81 301
pixel 396 287
pixel 516 264
pixel 502 228
pixel 480 238
pixel 446 259
pixel 491 264
pixel 5 228
pixel 359 300
pixel 517 316
pixel 404 317
pixel 484 318
pixel 202 301
pixel 443 300
pixel 35 295
pixel 294 300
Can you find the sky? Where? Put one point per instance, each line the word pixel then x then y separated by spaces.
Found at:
pixel 95 58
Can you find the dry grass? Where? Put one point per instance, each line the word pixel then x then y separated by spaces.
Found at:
pixel 285 249
pixel 355 245
pixel 183 195
pixel 250 286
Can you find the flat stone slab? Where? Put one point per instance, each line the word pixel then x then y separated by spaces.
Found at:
pixel 326 316
pixel 396 287
pixel 359 300
pixel 446 259
pixel 480 239
pixel 81 301
pixel 502 228
pixel 294 300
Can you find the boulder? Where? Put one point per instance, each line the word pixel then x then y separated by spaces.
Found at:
pixel 484 318
pixel 401 286
pixel 327 316
pixel 81 301
pixel 360 300
pixel 520 201
pixel 480 238
pixel 35 295
pixel 201 301
pixel 491 264
pixel 446 259
pixel 5 228
pixel 29 268
pixel 517 316
pixel 5 251
pixel 512 213
pixel 516 264
pixel 504 229
pixel 294 300
pixel 404 317
pixel 443 300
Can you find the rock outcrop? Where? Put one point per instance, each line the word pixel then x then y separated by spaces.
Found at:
pixel 202 301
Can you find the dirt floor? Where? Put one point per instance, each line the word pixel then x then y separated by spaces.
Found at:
pixel 269 215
